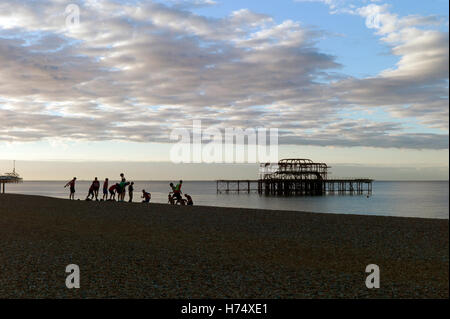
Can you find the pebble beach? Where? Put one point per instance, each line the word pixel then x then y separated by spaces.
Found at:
pixel 134 250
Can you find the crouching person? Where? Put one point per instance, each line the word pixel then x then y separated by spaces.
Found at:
pixel 146 196
pixel 189 200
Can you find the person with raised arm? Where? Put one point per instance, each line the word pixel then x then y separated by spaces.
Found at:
pixel 176 190
pixel 72 188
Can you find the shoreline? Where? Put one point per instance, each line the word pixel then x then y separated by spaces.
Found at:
pixel 214 180
pixel 250 208
pixel 230 208
pixel 134 250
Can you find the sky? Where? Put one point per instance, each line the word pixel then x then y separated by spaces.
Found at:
pixel 359 84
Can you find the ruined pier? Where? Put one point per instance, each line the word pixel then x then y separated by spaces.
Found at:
pixel 296 177
pixel 9 178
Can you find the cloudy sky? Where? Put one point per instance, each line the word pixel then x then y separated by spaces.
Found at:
pixel 352 82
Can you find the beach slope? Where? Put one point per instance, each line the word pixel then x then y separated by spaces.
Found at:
pixel 160 251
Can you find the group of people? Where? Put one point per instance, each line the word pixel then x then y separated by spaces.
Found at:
pixel 120 189
pixel 175 196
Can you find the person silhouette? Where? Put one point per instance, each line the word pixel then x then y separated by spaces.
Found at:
pixel 72 188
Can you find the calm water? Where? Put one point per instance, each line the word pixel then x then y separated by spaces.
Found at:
pixel 409 199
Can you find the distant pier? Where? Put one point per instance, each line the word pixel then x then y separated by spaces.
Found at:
pixel 9 178
pixel 296 177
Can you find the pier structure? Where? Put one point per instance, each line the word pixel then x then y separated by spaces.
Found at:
pixel 9 178
pixel 296 177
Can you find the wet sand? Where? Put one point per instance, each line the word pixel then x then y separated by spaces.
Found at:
pixel 160 251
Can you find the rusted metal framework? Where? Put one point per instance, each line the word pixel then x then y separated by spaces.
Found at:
pixel 294 169
pixel 296 176
pixel 239 186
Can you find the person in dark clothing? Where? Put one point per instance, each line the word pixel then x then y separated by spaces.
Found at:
pixel 170 200
pixel 90 195
pixel 190 202
pixel 130 192
pixel 105 189
pixel 72 188
pixel 96 187
pixel 146 196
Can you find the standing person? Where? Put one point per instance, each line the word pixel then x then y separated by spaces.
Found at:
pixel 190 202
pixel 121 190
pixel 118 191
pixel 130 192
pixel 72 188
pixel 177 191
pixel 105 189
pixel 174 196
pixel 121 194
pixel 146 196
pixel 96 187
pixel 178 187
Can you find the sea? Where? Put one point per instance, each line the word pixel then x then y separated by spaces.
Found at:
pixel 425 199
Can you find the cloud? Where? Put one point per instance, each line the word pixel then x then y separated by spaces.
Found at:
pixel 134 71
pixel 337 6
pixel 418 84
pixel 189 4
